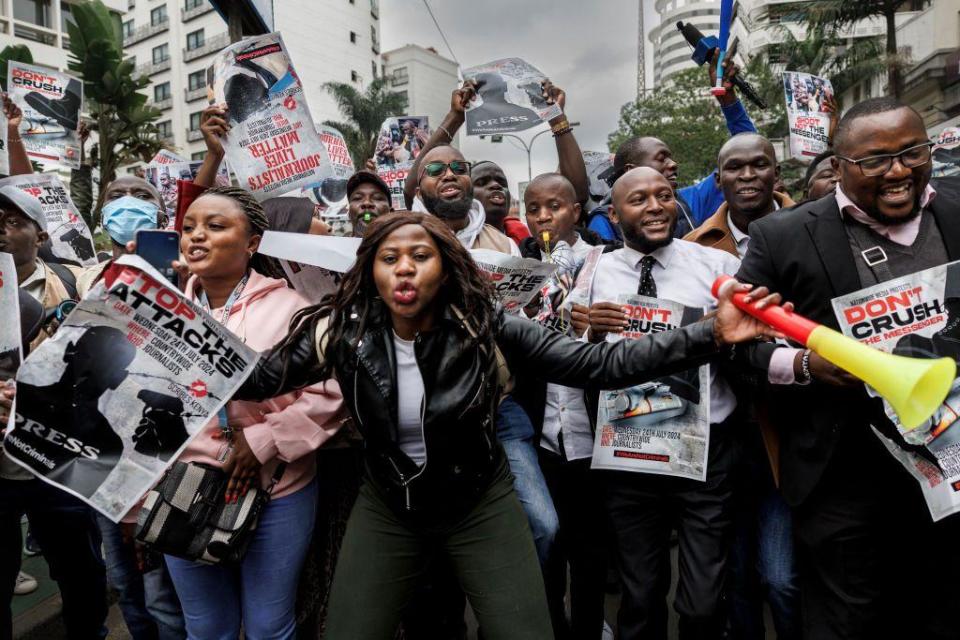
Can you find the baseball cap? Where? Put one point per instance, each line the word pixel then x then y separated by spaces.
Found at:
pixel 367 176
pixel 15 198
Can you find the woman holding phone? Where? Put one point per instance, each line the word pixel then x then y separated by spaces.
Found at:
pixel 420 350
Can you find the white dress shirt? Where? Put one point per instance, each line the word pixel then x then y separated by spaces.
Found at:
pixel 565 411
pixel 684 272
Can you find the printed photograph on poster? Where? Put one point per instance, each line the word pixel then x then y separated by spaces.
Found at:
pixel 516 280
pixel 946 153
pixel 70 238
pixel 807 115
pixel 599 169
pixel 574 266
pixel 51 102
pixel 273 146
pixel 11 343
pixel 509 97
pixel 398 147
pixel 662 426
pixel 4 153
pixel 115 395
pixel 164 176
pixel 165 156
pixel 917 316
pixel 331 192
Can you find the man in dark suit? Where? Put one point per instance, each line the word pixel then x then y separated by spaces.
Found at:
pixel 869 553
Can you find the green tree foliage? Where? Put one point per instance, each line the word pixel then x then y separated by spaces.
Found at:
pixel 119 111
pixel 13 53
pixel 363 113
pixel 685 116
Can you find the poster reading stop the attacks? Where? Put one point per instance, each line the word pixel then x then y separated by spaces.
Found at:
pixel 509 97
pixel 133 373
pixel 516 280
pixel 165 173
pixel 51 102
pixel 662 426
pixel 917 316
pixel 70 237
pixel 398 147
pixel 273 146
pixel 807 115
pixel 11 347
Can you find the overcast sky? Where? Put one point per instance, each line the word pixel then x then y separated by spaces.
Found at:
pixel 588 48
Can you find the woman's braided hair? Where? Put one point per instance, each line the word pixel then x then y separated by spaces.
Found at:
pixel 264 265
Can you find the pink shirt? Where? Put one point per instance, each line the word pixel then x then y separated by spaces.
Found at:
pixel 781 362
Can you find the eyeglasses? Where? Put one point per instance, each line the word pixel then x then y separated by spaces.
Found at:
pixel 437 169
pixel 873 166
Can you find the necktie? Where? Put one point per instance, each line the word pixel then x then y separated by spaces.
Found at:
pixel 647 285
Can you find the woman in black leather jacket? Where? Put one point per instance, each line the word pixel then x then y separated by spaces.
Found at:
pixel 413 327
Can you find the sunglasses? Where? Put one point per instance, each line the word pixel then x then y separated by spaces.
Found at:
pixel 437 169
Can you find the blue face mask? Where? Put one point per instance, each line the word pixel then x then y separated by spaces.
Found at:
pixel 123 217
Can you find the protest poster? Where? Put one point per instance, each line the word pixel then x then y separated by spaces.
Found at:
pixel 51 102
pixel 521 194
pixel 165 174
pixel 398 147
pixel 573 267
pixel 807 116
pixel 583 285
pixel 509 97
pixel 273 146
pixel 331 192
pixel 917 316
pixel 946 153
pixel 131 375
pixel 599 169
pixel 516 280
pixel 4 151
pixel 165 156
pixel 11 345
pixel 70 237
pixel 314 264
pixel 662 426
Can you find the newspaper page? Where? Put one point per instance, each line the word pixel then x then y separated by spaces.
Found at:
pixel 398 147
pixel 313 264
pixel 11 344
pixel 273 146
pixel 661 426
pixel 164 176
pixel 509 97
pixel 4 151
pixel 70 237
pixel 135 371
pixel 946 153
pixel 516 280
pixel 583 285
pixel 51 103
pixel 917 316
pixel 599 168
pixel 809 121
pixel 573 267
pixel 332 190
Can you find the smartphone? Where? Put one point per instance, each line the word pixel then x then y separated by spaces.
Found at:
pixel 160 249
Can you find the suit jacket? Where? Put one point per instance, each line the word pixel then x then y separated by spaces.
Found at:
pixel 804 254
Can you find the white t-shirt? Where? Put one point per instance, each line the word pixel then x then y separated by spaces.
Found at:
pixel 409 401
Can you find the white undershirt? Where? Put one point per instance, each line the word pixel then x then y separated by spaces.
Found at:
pixel 409 401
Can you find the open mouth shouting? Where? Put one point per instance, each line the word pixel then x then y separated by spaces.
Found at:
pixel 196 253
pixel 405 293
pixel 897 195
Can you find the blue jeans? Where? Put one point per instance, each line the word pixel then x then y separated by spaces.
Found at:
pixel 762 560
pixel 528 479
pixel 261 592
pixel 148 601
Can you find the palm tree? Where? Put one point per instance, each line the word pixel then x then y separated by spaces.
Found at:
pixel 844 13
pixel 13 53
pixel 363 114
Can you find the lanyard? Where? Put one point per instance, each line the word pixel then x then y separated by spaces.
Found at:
pixel 228 305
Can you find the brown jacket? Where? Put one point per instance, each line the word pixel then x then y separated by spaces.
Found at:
pixel 714 232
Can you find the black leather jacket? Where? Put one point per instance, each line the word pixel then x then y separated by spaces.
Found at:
pixel 461 392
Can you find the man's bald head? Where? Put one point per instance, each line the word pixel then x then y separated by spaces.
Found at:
pixel 555 181
pixel 639 175
pixel 747 171
pixel 442 153
pixel 749 142
pixel 645 208
pixel 131 185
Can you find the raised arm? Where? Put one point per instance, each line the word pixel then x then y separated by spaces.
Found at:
pixel 16 151
pixel 213 126
pixel 443 134
pixel 291 365
pixel 572 166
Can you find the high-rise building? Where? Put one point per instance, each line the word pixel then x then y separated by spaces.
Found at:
pixel 174 42
pixel 422 76
pixel 671 53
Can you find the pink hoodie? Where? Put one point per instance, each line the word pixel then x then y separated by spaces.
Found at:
pixel 289 427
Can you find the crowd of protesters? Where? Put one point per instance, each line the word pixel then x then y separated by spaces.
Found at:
pixel 435 451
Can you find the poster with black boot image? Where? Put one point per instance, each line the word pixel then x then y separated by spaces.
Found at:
pixel 661 426
pixel 273 146
pixel 916 316
pixel 509 97
pixel 51 103
pixel 136 370
pixel 70 237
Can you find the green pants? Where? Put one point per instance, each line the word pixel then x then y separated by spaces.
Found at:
pixel 491 550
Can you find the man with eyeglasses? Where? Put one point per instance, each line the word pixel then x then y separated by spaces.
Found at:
pixel 869 553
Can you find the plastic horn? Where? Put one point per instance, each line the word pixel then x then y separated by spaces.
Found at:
pixel 914 387
pixel 546 245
